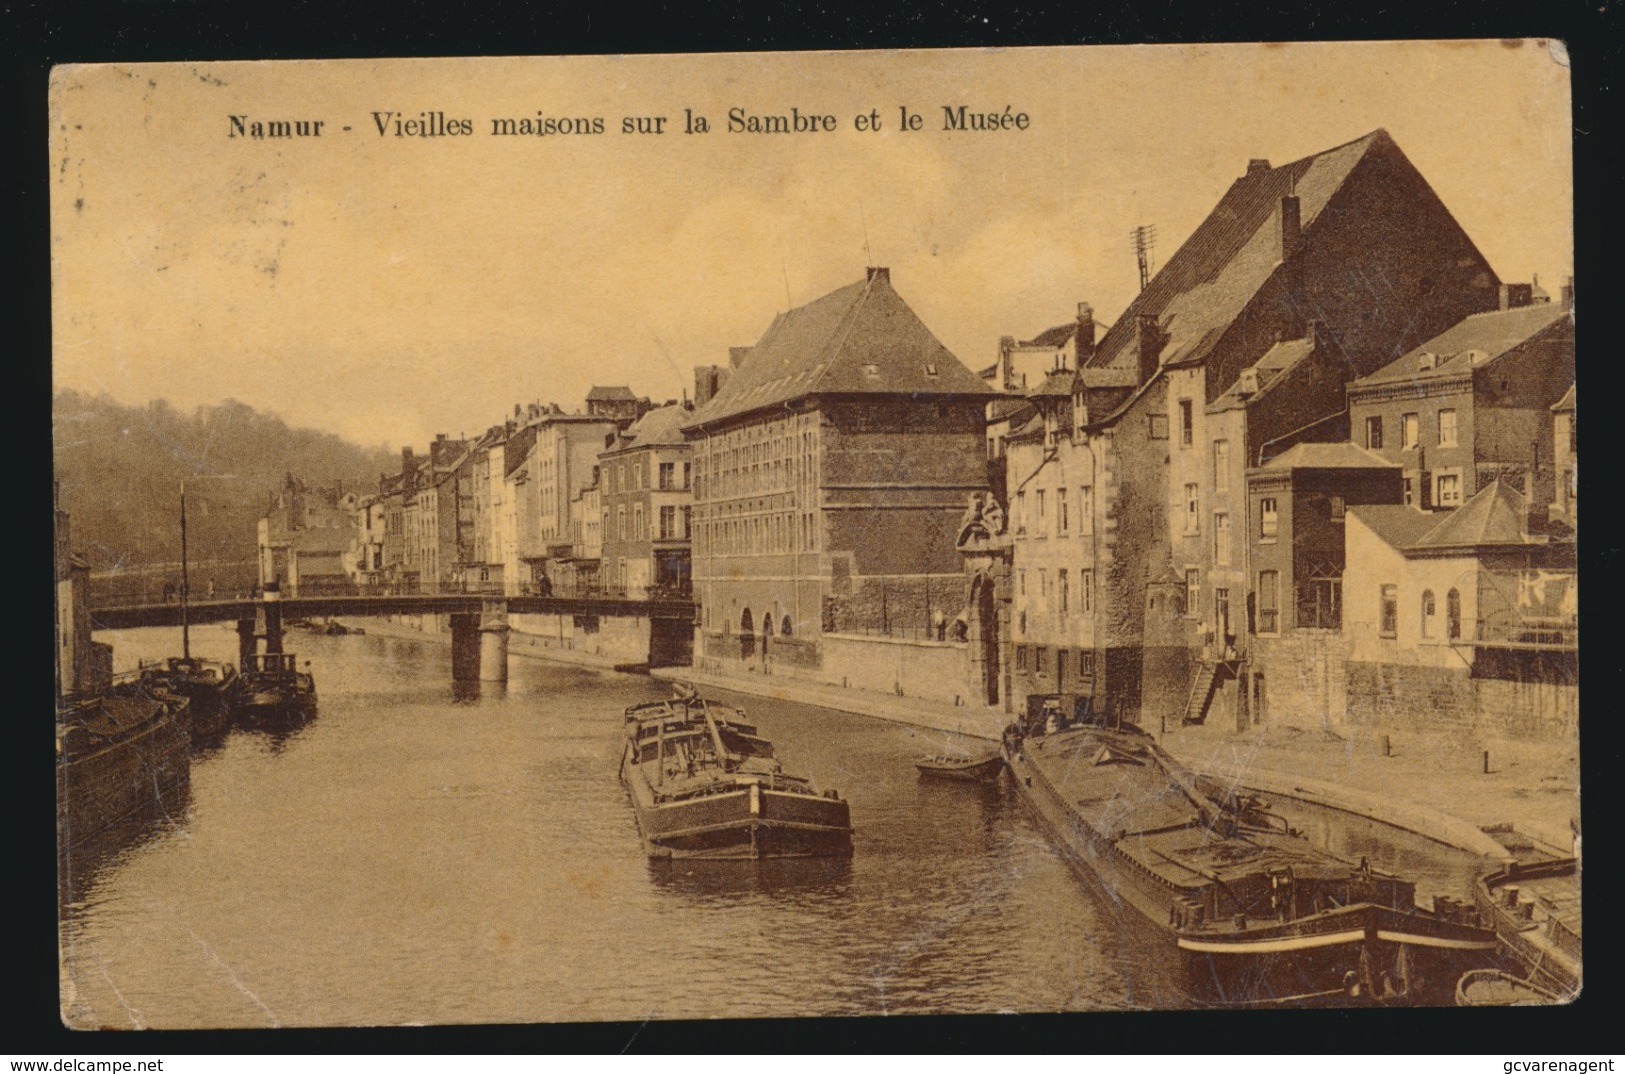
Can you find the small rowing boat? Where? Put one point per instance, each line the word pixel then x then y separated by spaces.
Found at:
pixel 984 769
pixel 1496 988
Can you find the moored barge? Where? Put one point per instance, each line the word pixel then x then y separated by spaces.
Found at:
pixel 1533 903
pixel 275 690
pixel 1246 911
pixel 704 784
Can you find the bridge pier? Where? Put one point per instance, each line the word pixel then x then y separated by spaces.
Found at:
pixel 493 642
pixel 465 646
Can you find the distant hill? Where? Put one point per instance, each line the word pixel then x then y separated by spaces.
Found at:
pixel 121 469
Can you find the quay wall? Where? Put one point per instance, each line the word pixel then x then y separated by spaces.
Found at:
pixel 926 670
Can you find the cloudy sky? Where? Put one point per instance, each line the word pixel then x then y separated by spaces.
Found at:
pixel 388 288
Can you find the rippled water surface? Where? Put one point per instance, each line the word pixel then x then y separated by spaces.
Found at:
pixel 411 857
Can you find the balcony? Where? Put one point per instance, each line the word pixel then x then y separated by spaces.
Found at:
pixel 1512 631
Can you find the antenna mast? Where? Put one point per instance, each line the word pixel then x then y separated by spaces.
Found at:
pixel 186 626
pixel 1144 239
pixel 865 219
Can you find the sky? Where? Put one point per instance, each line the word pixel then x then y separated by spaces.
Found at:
pixel 390 288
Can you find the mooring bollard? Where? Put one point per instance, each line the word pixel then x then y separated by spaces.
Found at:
pixel 1387 747
pixel 1486 762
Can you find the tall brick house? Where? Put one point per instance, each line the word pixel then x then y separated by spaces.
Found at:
pixel 644 488
pixel 1474 403
pixel 1302 278
pixel 831 471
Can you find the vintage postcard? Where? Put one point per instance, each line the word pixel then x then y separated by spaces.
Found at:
pixel 910 532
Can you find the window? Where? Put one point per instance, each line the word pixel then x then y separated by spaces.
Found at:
pixel 1193 593
pixel 1452 614
pixel 1043 585
pixel 1021 582
pixel 1429 613
pixel 1187 423
pixel 1086 510
pixel 668 472
pixel 1447 490
pixel 1063 520
pixel 688 522
pixel 1373 432
pixel 1021 513
pixel 1021 658
pixel 1221 538
pixel 1086 590
pixel 1221 613
pixel 1158 427
pixel 1447 428
pixel 1320 603
pixel 1038 660
pixel 668 523
pixel 1193 507
pixel 1221 466
pixel 1408 429
pixel 639 533
pixel 1269 519
pixel 1066 591
pixel 1409 491
pixel 1389 624
pixel 1086 664
pixel 620 523
pixel 1269 601
pixel 1041 524
pixel 687 472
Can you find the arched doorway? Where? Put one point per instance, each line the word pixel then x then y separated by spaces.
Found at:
pixel 747 636
pixel 985 614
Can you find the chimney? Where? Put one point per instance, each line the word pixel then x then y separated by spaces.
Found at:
pixel 1257 165
pixel 1150 344
pixel 1565 294
pixel 736 358
pixel 1086 332
pixel 877 273
pixel 1291 226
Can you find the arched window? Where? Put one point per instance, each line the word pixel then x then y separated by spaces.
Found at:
pixel 767 624
pixel 1429 613
pixel 746 625
pixel 1452 614
pixel 784 627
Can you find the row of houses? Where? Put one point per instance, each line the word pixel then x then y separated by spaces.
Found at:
pixel 1321 470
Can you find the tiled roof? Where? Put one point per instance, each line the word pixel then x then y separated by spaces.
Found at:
pixel 1488 335
pixel 1494 516
pixel 1009 406
pixel 1343 456
pixel 1276 361
pixel 1400 526
pixel 1567 402
pixel 1212 277
pixel 1059 336
pixel 518 451
pixel 661 426
pixel 1061 382
pixel 862 338
pixel 616 393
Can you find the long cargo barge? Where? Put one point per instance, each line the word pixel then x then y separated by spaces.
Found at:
pixel 704 784
pixel 1247 912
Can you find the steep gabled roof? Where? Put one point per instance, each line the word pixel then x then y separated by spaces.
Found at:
pixel 1210 279
pixel 1494 516
pixel 661 426
pixel 862 338
pixel 1276 361
pixel 1485 335
pixel 614 393
pixel 1565 403
pixel 1059 336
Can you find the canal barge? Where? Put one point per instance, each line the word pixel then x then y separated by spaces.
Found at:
pixel 1533 903
pixel 117 754
pixel 1243 910
pixel 210 686
pixel 705 784
pixel 274 689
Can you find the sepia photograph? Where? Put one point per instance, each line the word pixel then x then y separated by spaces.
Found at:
pixel 638 538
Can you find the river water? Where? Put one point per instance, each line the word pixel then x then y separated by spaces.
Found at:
pixel 413 857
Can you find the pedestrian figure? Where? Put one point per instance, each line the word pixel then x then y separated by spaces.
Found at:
pixel 940 621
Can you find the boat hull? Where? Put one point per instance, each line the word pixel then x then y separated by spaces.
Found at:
pixel 273 706
pixel 1355 955
pixel 1547 957
pixel 105 784
pixel 976 772
pixel 746 822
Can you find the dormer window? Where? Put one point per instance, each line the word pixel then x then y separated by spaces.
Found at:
pixel 872 370
pixel 1426 361
pixel 930 370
